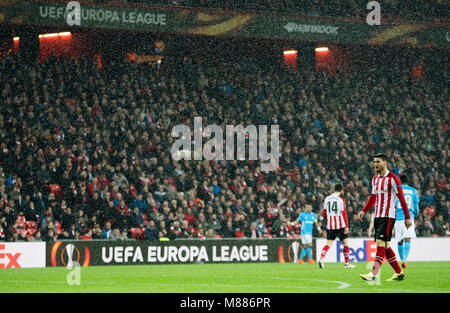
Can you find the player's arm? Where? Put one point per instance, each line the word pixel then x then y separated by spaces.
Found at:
pixel 369 230
pixel 370 203
pixel 416 203
pixel 344 215
pixel 401 197
pixel 317 225
pixel 297 221
pixel 324 210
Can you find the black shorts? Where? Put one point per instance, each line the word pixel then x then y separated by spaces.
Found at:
pixel 383 228
pixel 333 233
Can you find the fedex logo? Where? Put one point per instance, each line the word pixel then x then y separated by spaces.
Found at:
pixel 365 253
pixel 8 260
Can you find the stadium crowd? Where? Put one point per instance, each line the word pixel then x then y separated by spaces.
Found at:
pixel 412 10
pixel 85 152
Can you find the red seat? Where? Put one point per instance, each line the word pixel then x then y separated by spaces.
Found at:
pixel 137 233
pixel 217 237
pixel 55 189
pixel 31 225
pixel 31 231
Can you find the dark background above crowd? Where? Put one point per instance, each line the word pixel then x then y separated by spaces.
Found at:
pixel 393 10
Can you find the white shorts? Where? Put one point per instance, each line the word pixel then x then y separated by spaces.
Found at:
pixel 401 232
pixel 306 239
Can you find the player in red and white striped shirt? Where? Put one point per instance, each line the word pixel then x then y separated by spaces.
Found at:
pixel 337 224
pixel 386 188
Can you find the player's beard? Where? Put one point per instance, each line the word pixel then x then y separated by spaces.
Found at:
pixel 379 170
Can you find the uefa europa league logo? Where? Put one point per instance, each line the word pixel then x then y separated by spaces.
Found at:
pixel 295 248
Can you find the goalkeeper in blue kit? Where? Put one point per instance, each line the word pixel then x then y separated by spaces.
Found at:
pixel 403 235
pixel 307 219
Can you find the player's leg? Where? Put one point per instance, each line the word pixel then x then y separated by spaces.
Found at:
pixel 399 233
pixel 380 235
pixel 391 257
pixel 346 253
pixel 309 252
pixel 409 233
pixel 400 250
pixel 325 250
pixel 303 253
pixel 407 247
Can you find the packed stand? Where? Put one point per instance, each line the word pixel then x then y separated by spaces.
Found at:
pixel 85 152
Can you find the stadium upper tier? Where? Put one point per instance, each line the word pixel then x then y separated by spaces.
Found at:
pixel 405 10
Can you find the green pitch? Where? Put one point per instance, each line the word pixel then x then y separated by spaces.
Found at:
pixel 228 278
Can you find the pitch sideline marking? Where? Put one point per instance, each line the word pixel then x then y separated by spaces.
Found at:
pixel 342 284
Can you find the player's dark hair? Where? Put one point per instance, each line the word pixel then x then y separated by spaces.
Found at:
pixel 381 156
pixel 404 179
pixel 338 187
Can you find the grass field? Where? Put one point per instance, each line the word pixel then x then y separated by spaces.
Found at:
pixel 428 277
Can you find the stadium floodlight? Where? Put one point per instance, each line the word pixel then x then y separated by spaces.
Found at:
pixel 287 52
pixel 48 35
pixel 322 49
pixel 55 35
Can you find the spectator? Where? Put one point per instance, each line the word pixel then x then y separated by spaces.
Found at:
pixel 228 232
pixel 65 236
pixel 141 204
pixel 115 235
pixel 87 235
pixel 50 237
pixel 151 232
pixel 427 199
pixel 67 219
pixel 37 236
pixel 107 231
pixel 215 224
pixel 210 233
pixel 97 233
pixel 189 216
pixel 127 144
pixel 136 219
pixel 252 232
pixel 160 195
pixel 355 228
pixel 261 227
pixel 124 235
pixel 440 226
pixel 72 231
